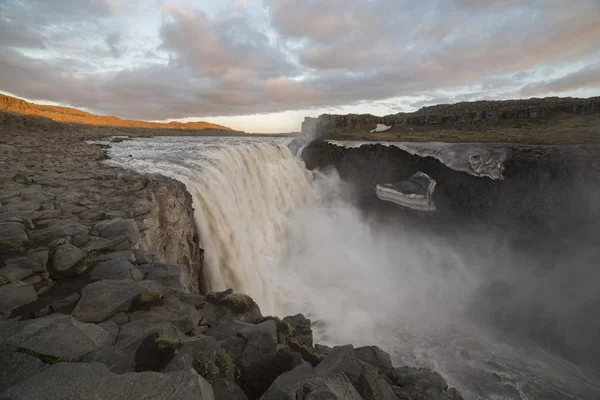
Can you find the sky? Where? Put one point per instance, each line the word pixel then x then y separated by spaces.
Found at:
pixel 264 65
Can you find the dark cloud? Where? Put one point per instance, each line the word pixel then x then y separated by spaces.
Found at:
pixel 296 55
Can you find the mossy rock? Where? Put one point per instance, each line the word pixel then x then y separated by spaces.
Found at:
pixel 148 297
pixel 308 353
pixel 226 365
pixel 46 359
pixel 164 341
pixel 14 245
pixel 282 326
pixel 236 302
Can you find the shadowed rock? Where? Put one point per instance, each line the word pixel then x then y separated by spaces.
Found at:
pixel 16 368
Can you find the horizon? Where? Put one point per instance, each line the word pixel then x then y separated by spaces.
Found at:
pixel 261 66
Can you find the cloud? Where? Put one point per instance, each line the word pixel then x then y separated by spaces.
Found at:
pixel 264 56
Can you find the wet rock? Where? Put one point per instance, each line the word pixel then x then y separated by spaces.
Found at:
pixel 17 367
pixel 114 228
pixel 115 270
pixel 35 261
pixel 66 258
pixel 56 337
pixel 301 328
pixel 13 274
pixel 59 231
pixel 15 295
pixel 66 303
pixel 79 380
pixel 103 299
pixel 301 382
pixel 423 383
pixel 226 389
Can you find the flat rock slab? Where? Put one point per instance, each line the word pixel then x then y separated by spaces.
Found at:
pixel 184 316
pixel 35 261
pixel 103 299
pixel 116 269
pixel 85 381
pixel 59 337
pixel 15 295
pixel 12 232
pixel 17 367
pixel 13 274
pixel 59 231
pixel 113 228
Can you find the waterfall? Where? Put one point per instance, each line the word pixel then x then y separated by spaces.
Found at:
pixel 244 195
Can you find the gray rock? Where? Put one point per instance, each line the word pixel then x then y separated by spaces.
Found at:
pixel 93 215
pixel 141 257
pixel 32 279
pixel 81 240
pixel 80 381
pixel 423 383
pixel 15 295
pixel 184 316
pixel 113 228
pixel 226 389
pixel 258 364
pixel 323 349
pixel 193 299
pixel 58 337
pixel 20 206
pixel 241 305
pixel 66 258
pixel 167 274
pixel 196 352
pixel 65 303
pixel 112 329
pixel 59 242
pixel 120 358
pixel 12 232
pixel 35 261
pixel 301 326
pixel 376 357
pixel 302 383
pixel 368 381
pixel 118 255
pixel 59 231
pixel 103 299
pixel 34 196
pixel 101 244
pixel 17 367
pixel 71 208
pixel 116 269
pixel 13 274
pixel 268 327
pixel 119 319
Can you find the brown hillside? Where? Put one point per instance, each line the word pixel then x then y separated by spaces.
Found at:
pixel 73 115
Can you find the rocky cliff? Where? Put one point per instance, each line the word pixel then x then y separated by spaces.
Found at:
pixel 531 121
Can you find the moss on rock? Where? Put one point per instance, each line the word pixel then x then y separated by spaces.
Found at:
pixel 164 341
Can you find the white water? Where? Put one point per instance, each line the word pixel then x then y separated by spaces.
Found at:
pixel 290 239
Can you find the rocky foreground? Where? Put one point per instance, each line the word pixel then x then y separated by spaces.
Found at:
pixel 102 296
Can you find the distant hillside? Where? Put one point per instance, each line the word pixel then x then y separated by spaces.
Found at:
pixel 547 120
pixel 73 115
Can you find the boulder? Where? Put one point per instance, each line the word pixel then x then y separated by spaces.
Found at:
pixel 116 269
pixel 376 357
pixel 193 299
pixel 114 228
pixel 65 258
pixel 155 352
pixel 184 316
pixel 13 274
pixel 423 383
pixel 168 275
pixel 241 305
pixel 199 353
pixel 15 295
pixel 302 383
pixel 17 367
pixel 101 244
pixel 58 231
pixel 13 236
pixel 258 364
pixel 301 328
pixel 56 337
pixel 66 303
pixel 268 327
pixel 226 389
pixel 121 357
pixel 35 261
pixel 103 299
pixel 368 381
pixel 80 381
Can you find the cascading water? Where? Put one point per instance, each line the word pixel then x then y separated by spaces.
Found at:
pixel 292 240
